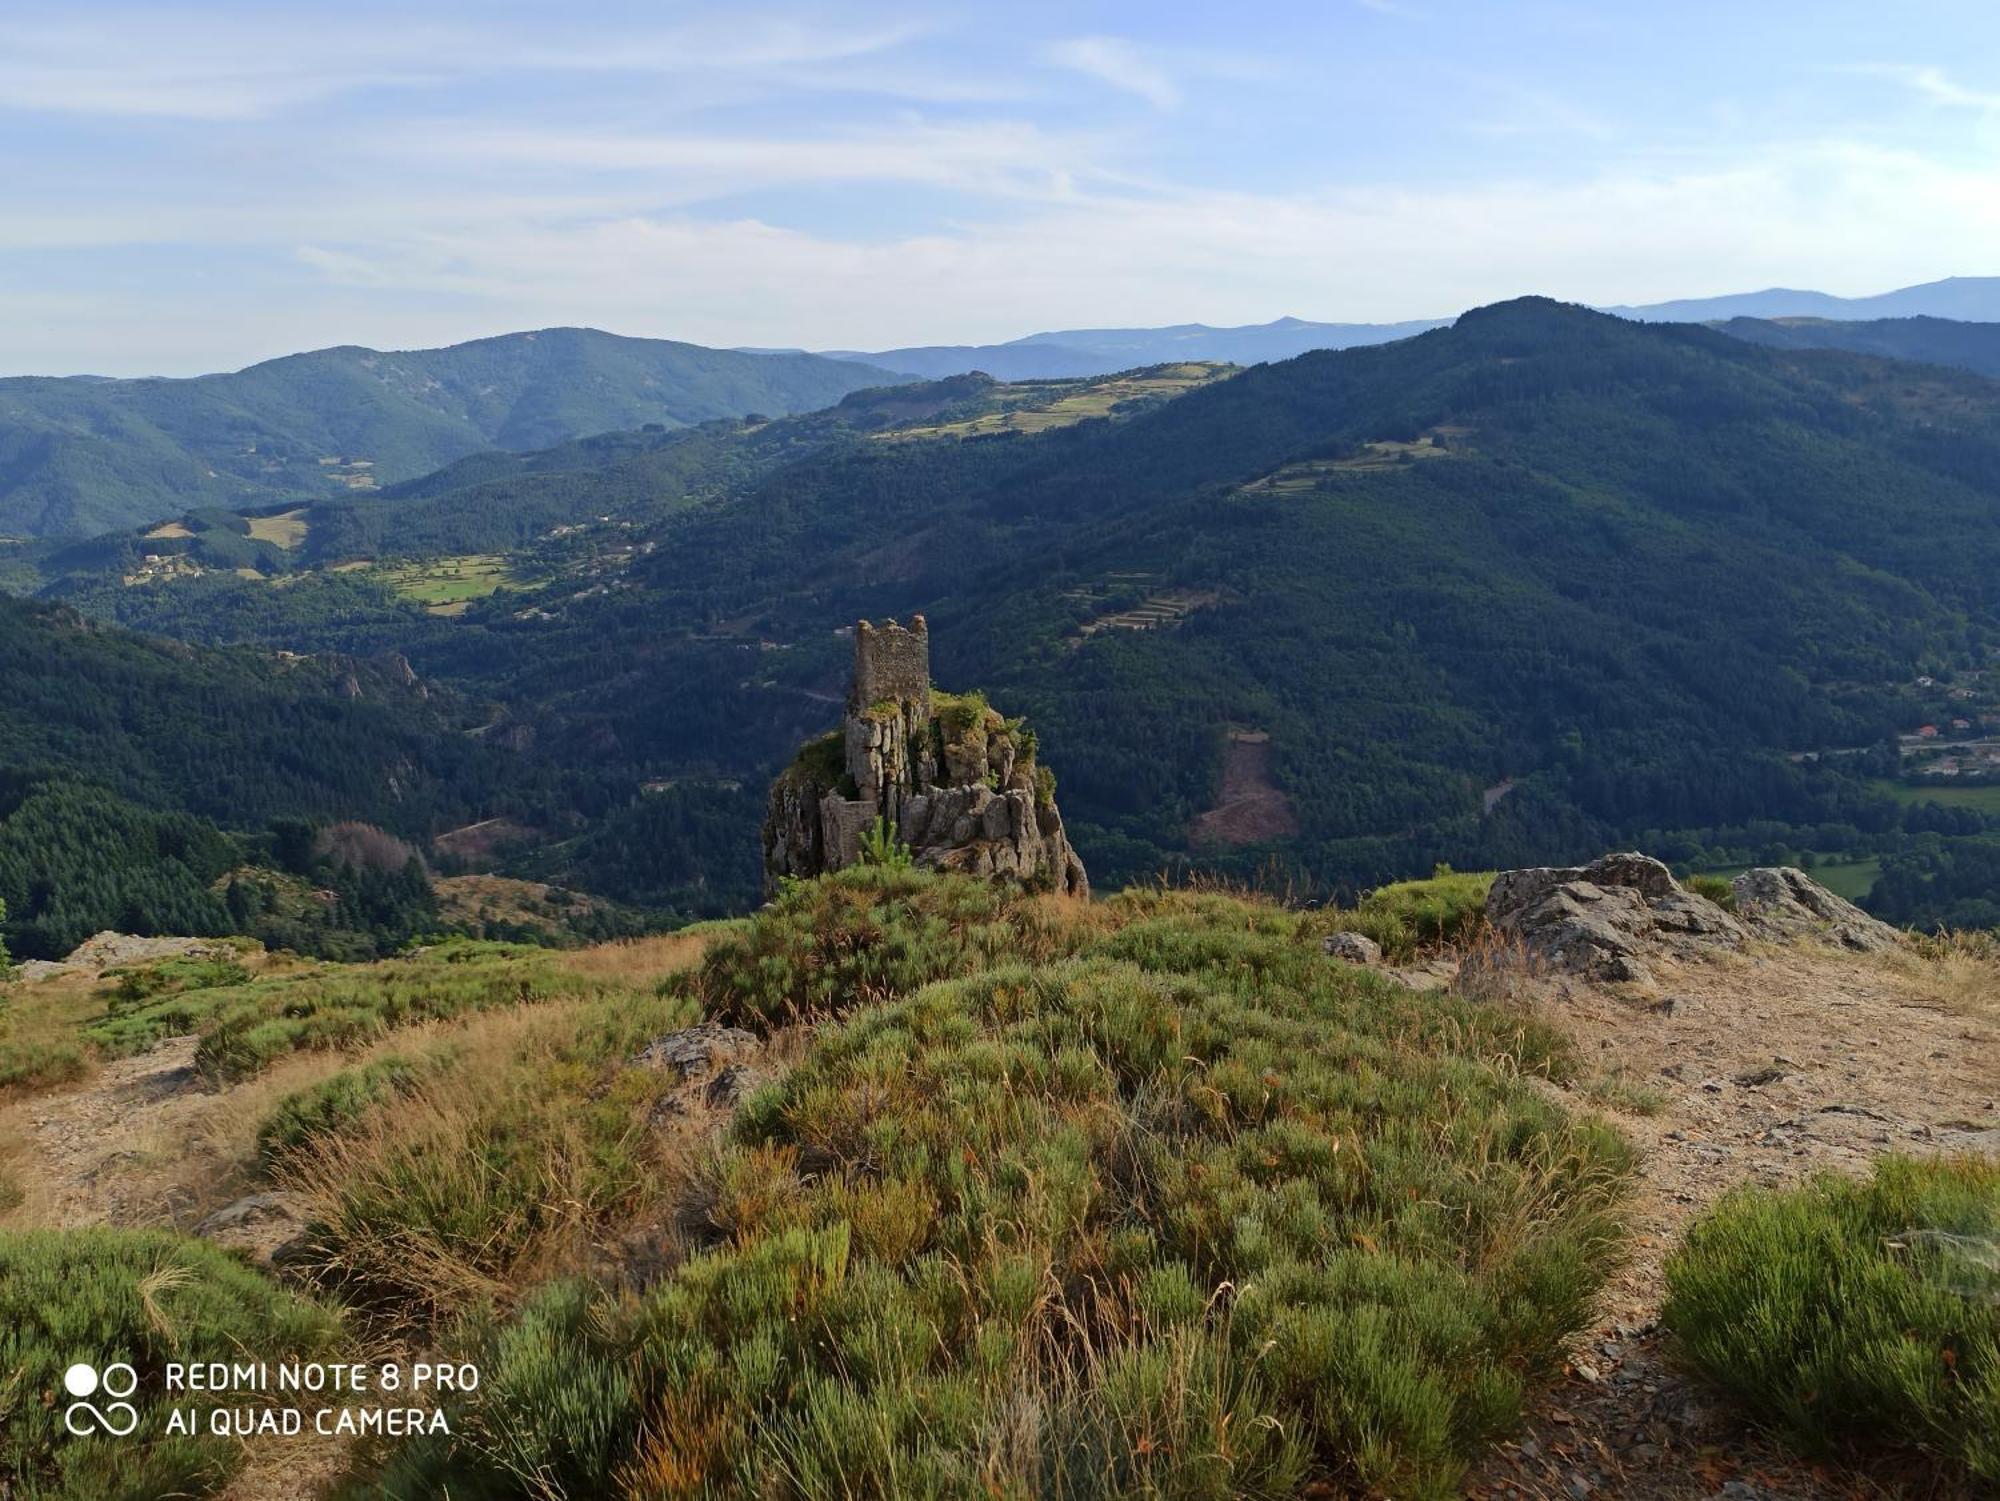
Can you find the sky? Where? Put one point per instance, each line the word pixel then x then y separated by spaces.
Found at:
pixel 194 187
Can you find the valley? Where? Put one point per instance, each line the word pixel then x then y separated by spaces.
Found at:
pixel 1492 554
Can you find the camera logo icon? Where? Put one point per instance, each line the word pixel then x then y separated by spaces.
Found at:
pixel 117 1417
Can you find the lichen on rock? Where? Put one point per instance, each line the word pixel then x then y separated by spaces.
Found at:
pixel 955 780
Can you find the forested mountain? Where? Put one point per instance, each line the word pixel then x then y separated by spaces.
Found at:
pixel 82 455
pixel 1521 589
pixel 1929 341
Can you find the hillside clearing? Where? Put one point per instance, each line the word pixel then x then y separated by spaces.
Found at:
pixel 287 529
pixel 1250 807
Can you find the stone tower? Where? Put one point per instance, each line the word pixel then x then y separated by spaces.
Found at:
pixel 892 663
pixel 955 780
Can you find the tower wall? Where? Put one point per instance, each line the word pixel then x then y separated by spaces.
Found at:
pixel 892 664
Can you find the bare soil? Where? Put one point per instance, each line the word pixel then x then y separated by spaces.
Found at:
pixel 1250 807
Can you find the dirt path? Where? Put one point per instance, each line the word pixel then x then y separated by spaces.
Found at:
pixel 1773 1066
pixel 100 1155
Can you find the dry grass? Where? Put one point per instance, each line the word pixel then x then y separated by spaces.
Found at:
pixel 639 961
pixel 536 1150
pixel 1954 972
pixel 39 1022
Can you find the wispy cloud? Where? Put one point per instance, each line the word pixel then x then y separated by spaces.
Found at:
pixel 1120 63
pixel 189 66
pixel 998 158
pixel 1935 85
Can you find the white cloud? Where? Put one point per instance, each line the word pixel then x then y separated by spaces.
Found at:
pixel 1844 218
pixel 1121 64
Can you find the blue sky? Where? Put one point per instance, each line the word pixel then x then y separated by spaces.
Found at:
pixel 193 187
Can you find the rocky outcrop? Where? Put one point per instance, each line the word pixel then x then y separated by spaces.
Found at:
pixel 944 774
pixel 1777 901
pixel 1605 918
pixel 1608 918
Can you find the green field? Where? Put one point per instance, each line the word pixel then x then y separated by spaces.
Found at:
pixel 1985 798
pixel 445 586
pixel 1847 878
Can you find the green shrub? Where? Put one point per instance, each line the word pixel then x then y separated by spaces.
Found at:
pixel 173 976
pixel 880 846
pixel 1410 916
pixel 1200 1214
pixel 38 1063
pixel 340 1100
pixel 1855 1313
pixel 1716 888
pixel 869 933
pixel 245 1025
pixel 143 1298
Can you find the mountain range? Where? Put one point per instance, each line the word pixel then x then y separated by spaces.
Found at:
pixel 83 455
pixel 1509 591
pixel 1098 351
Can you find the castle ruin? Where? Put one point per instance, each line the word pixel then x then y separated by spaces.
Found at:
pixel 945 775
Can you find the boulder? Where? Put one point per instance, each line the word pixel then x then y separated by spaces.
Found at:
pixel 1605 919
pixel 1780 902
pixel 1355 948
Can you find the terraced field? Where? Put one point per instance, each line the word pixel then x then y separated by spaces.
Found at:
pixel 1169 607
pixel 1375 458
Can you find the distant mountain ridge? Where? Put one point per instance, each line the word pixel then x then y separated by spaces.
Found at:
pixel 1966 299
pixel 83 455
pixel 1099 351
pixel 1064 353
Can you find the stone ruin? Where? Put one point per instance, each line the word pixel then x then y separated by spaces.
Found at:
pixel 946 775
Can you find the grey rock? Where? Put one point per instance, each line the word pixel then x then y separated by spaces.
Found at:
pixel 1782 903
pixel 1355 948
pixel 252 1209
pixel 1607 918
pixel 698 1051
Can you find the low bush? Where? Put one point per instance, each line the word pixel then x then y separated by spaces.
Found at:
pixel 1716 888
pixel 341 1101
pixel 38 1063
pixel 1855 1314
pixel 1198 1213
pixel 1410 916
pixel 432 1189
pixel 172 976
pixel 142 1298
pixel 244 1026
pixel 870 933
